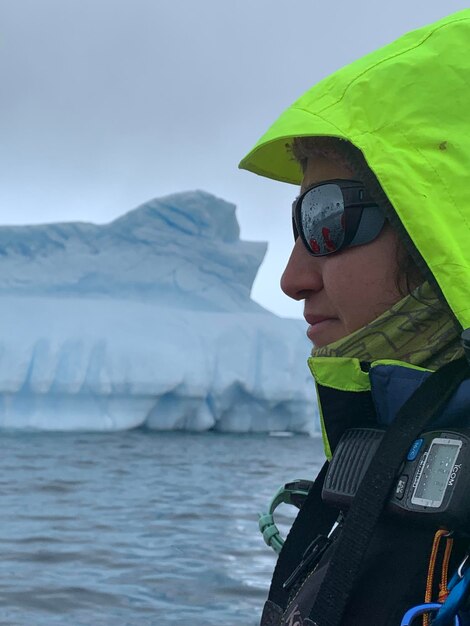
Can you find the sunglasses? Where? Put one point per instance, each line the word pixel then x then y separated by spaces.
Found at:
pixel 335 215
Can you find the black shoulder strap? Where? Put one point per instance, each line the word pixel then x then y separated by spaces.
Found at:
pixel 419 411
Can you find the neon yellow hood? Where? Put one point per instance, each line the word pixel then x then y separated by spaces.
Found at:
pixel 407 108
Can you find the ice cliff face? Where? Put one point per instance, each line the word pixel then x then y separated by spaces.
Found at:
pixel 181 250
pixel 146 321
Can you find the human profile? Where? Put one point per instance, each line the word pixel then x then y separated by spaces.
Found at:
pixel 381 260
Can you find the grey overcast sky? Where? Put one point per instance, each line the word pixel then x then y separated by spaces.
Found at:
pixel 108 103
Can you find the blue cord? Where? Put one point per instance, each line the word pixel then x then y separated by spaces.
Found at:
pixel 459 588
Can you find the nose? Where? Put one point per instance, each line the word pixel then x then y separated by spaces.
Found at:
pixel 303 273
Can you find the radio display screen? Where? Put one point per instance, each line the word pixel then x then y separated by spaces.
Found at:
pixel 435 472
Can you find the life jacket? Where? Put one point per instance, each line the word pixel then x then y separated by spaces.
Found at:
pixel 394 572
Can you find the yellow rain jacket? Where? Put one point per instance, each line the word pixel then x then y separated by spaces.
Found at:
pixel 407 108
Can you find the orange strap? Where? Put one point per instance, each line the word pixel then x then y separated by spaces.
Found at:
pixel 443 590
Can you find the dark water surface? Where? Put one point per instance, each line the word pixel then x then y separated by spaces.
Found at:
pixel 140 528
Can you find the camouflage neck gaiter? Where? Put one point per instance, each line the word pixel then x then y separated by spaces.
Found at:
pixel 419 329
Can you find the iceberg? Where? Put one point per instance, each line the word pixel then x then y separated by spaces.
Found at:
pixel 146 322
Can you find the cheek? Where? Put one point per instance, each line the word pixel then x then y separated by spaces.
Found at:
pixel 361 284
pixel 348 283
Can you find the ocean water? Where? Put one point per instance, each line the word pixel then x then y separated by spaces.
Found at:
pixel 140 528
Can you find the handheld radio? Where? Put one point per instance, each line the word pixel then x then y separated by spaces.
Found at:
pixel 433 485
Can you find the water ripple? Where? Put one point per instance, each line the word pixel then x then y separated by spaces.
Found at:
pixel 140 528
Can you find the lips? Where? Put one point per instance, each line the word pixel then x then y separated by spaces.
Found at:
pixel 318 325
pixel 316 319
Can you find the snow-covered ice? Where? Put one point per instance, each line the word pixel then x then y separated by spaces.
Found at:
pixel 146 321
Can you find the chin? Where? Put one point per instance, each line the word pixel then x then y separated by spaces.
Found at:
pixel 326 332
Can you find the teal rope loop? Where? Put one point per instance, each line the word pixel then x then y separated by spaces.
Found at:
pixel 271 534
pixel 293 493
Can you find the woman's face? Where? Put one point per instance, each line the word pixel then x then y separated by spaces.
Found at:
pixel 342 292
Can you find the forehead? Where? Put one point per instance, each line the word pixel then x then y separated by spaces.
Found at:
pixel 320 168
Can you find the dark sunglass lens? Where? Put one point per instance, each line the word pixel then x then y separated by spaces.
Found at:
pixel 321 218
